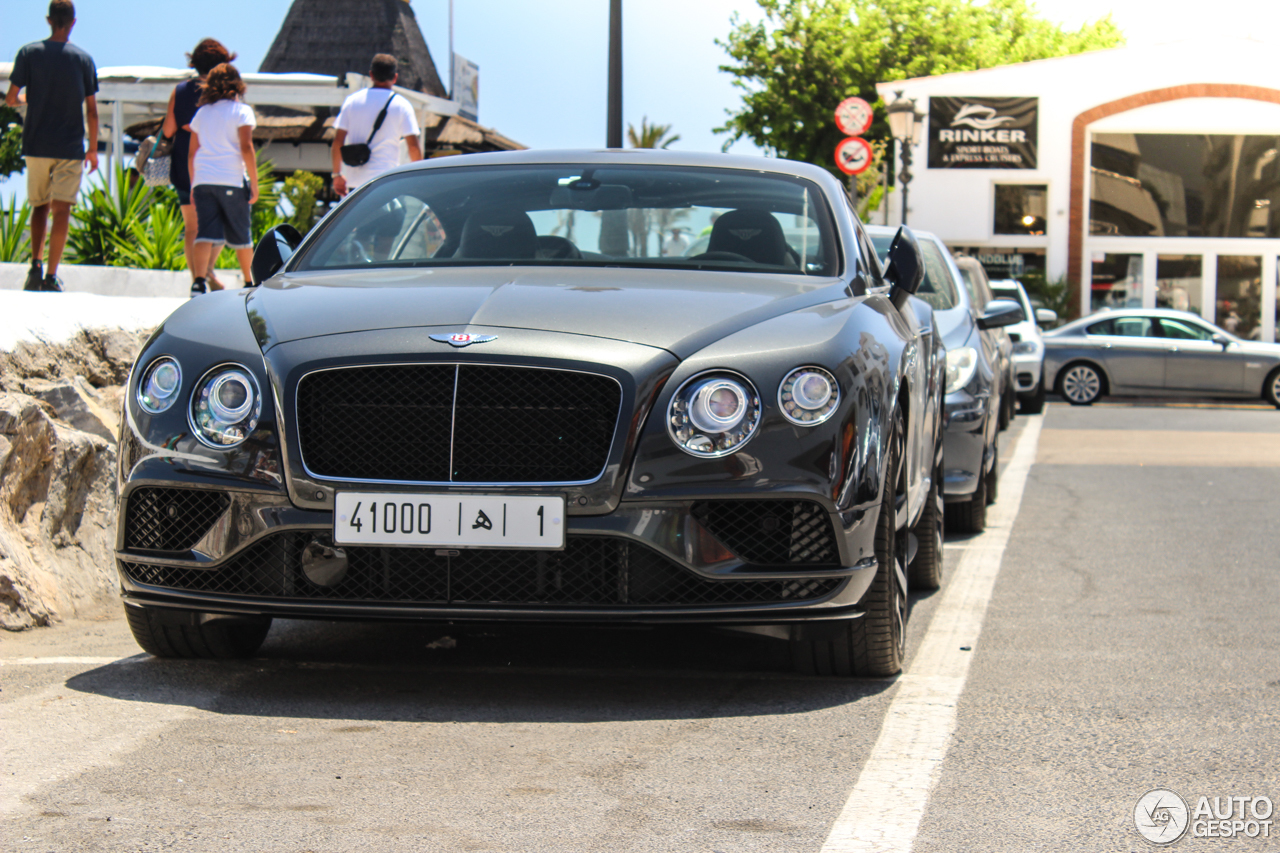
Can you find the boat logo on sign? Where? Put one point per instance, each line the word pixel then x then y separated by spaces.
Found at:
pixel 462 339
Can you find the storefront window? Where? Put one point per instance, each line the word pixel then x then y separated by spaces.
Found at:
pixel 1238 306
pixel 1117 281
pixel 1020 208
pixel 1184 185
pixel 1179 280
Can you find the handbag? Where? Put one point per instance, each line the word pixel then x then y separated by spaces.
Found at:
pixel 154 161
pixel 359 154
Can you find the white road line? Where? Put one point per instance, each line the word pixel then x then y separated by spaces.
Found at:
pixel 883 813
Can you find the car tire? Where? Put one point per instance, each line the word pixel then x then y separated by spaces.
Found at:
pixel 874 644
pixel 969 516
pixel 925 571
pixel 1002 417
pixel 1271 388
pixel 1081 384
pixel 1033 403
pixel 993 476
pixel 226 638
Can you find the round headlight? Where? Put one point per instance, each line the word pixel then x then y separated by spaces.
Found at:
pixel 718 405
pixel 225 406
pixel 808 396
pixel 713 414
pixel 961 363
pixel 159 386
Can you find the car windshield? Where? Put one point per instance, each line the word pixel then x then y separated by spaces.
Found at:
pixel 582 215
pixel 937 289
pixel 1016 295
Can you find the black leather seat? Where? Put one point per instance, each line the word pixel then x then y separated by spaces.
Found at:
pixel 755 234
pixel 553 248
pixel 498 234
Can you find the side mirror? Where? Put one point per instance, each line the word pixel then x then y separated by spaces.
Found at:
pixel 1046 316
pixel 906 266
pixel 1001 312
pixel 1222 340
pixel 275 247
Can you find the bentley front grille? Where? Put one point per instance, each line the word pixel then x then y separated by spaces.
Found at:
pixel 771 533
pixel 590 572
pixel 171 519
pixel 446 423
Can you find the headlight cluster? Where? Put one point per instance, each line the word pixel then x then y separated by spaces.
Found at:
pixel 1026 347
pixel 715 413
pixel 225 405
pixel 808 396
pixel 961 362
pixel 159 385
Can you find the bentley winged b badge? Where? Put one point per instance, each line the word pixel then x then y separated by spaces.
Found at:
pixel 462 340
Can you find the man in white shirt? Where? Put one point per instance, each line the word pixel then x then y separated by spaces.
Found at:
pixel 355 125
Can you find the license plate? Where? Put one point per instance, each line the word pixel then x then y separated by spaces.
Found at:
pixel 468 521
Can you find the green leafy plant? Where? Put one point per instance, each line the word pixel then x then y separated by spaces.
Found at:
pixel 300 190
pixel 156 244
pixel 1055 295
pixel 15 236
pixel 10 142
pixel 104 218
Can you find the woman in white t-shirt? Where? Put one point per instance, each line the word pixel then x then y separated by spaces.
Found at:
pixel 224 171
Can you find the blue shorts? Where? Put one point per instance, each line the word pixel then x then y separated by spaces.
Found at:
pixel 222 215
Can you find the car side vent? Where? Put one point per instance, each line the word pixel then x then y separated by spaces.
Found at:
pixel 171 519
pixel 772 532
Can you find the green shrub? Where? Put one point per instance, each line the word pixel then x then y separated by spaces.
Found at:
pixel 156 244
pixel 104 217
pixel 15 236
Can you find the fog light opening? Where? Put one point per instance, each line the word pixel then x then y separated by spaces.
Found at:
pixel 324 564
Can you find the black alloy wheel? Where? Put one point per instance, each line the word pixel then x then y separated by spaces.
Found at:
pixel 993 475
pixel 1080 384
pixel 873 645
pixel 221 638
pixel 925 571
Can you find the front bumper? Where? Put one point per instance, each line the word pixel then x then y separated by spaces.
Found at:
pixel 964 454
pixel 253 552
pixel 1026 371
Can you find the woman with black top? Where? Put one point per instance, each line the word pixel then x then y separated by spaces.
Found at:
pixel 183 103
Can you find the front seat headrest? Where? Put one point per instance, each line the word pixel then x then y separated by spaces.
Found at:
pixel 498 234
pixel 756 234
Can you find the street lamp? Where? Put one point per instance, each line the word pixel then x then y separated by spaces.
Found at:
pixel 905 124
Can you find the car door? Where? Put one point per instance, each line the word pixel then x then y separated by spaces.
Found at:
pixel 1196 362
pixel 1132 351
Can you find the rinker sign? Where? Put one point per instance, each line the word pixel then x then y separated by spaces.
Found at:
pixel 982 133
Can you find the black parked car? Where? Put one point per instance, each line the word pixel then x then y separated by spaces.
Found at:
pixel 973 384
pixel 477 391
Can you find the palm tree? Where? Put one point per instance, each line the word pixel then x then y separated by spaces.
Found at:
pixel 650 135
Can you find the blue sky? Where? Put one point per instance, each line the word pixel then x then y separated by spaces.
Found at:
pixel 542 64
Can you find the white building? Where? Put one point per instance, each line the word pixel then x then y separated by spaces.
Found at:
pixel 1145 175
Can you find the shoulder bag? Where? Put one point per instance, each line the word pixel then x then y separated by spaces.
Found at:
pixel 358 154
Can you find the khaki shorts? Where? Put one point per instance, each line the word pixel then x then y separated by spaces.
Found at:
pixel 53 180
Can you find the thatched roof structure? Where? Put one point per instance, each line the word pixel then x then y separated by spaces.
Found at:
pixel 339 36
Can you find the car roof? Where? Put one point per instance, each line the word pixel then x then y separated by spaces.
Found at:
pixel 627 157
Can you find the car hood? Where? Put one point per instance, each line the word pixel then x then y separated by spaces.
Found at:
pixel 954 325
pixel 680 311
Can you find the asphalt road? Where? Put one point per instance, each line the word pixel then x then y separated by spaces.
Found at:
pixel 1128 642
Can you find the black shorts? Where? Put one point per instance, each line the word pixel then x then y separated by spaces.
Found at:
pixel 222 215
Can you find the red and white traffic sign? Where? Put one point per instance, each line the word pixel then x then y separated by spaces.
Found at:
pixel 853 116
pixel 854 155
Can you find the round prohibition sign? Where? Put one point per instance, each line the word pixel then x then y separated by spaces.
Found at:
pixel 854 155
pixel 853 116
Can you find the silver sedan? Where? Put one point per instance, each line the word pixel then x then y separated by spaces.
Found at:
pixel 1157 351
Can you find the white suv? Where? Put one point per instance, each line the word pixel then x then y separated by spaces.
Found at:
pixel 1028 348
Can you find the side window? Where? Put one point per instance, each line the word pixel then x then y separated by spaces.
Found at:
pixel 1184 331
pixel 1125 327
pixel 867 255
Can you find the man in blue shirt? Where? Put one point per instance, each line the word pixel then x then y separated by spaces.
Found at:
pixel 61 84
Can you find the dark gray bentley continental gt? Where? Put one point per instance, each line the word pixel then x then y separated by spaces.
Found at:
pixel 501 388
